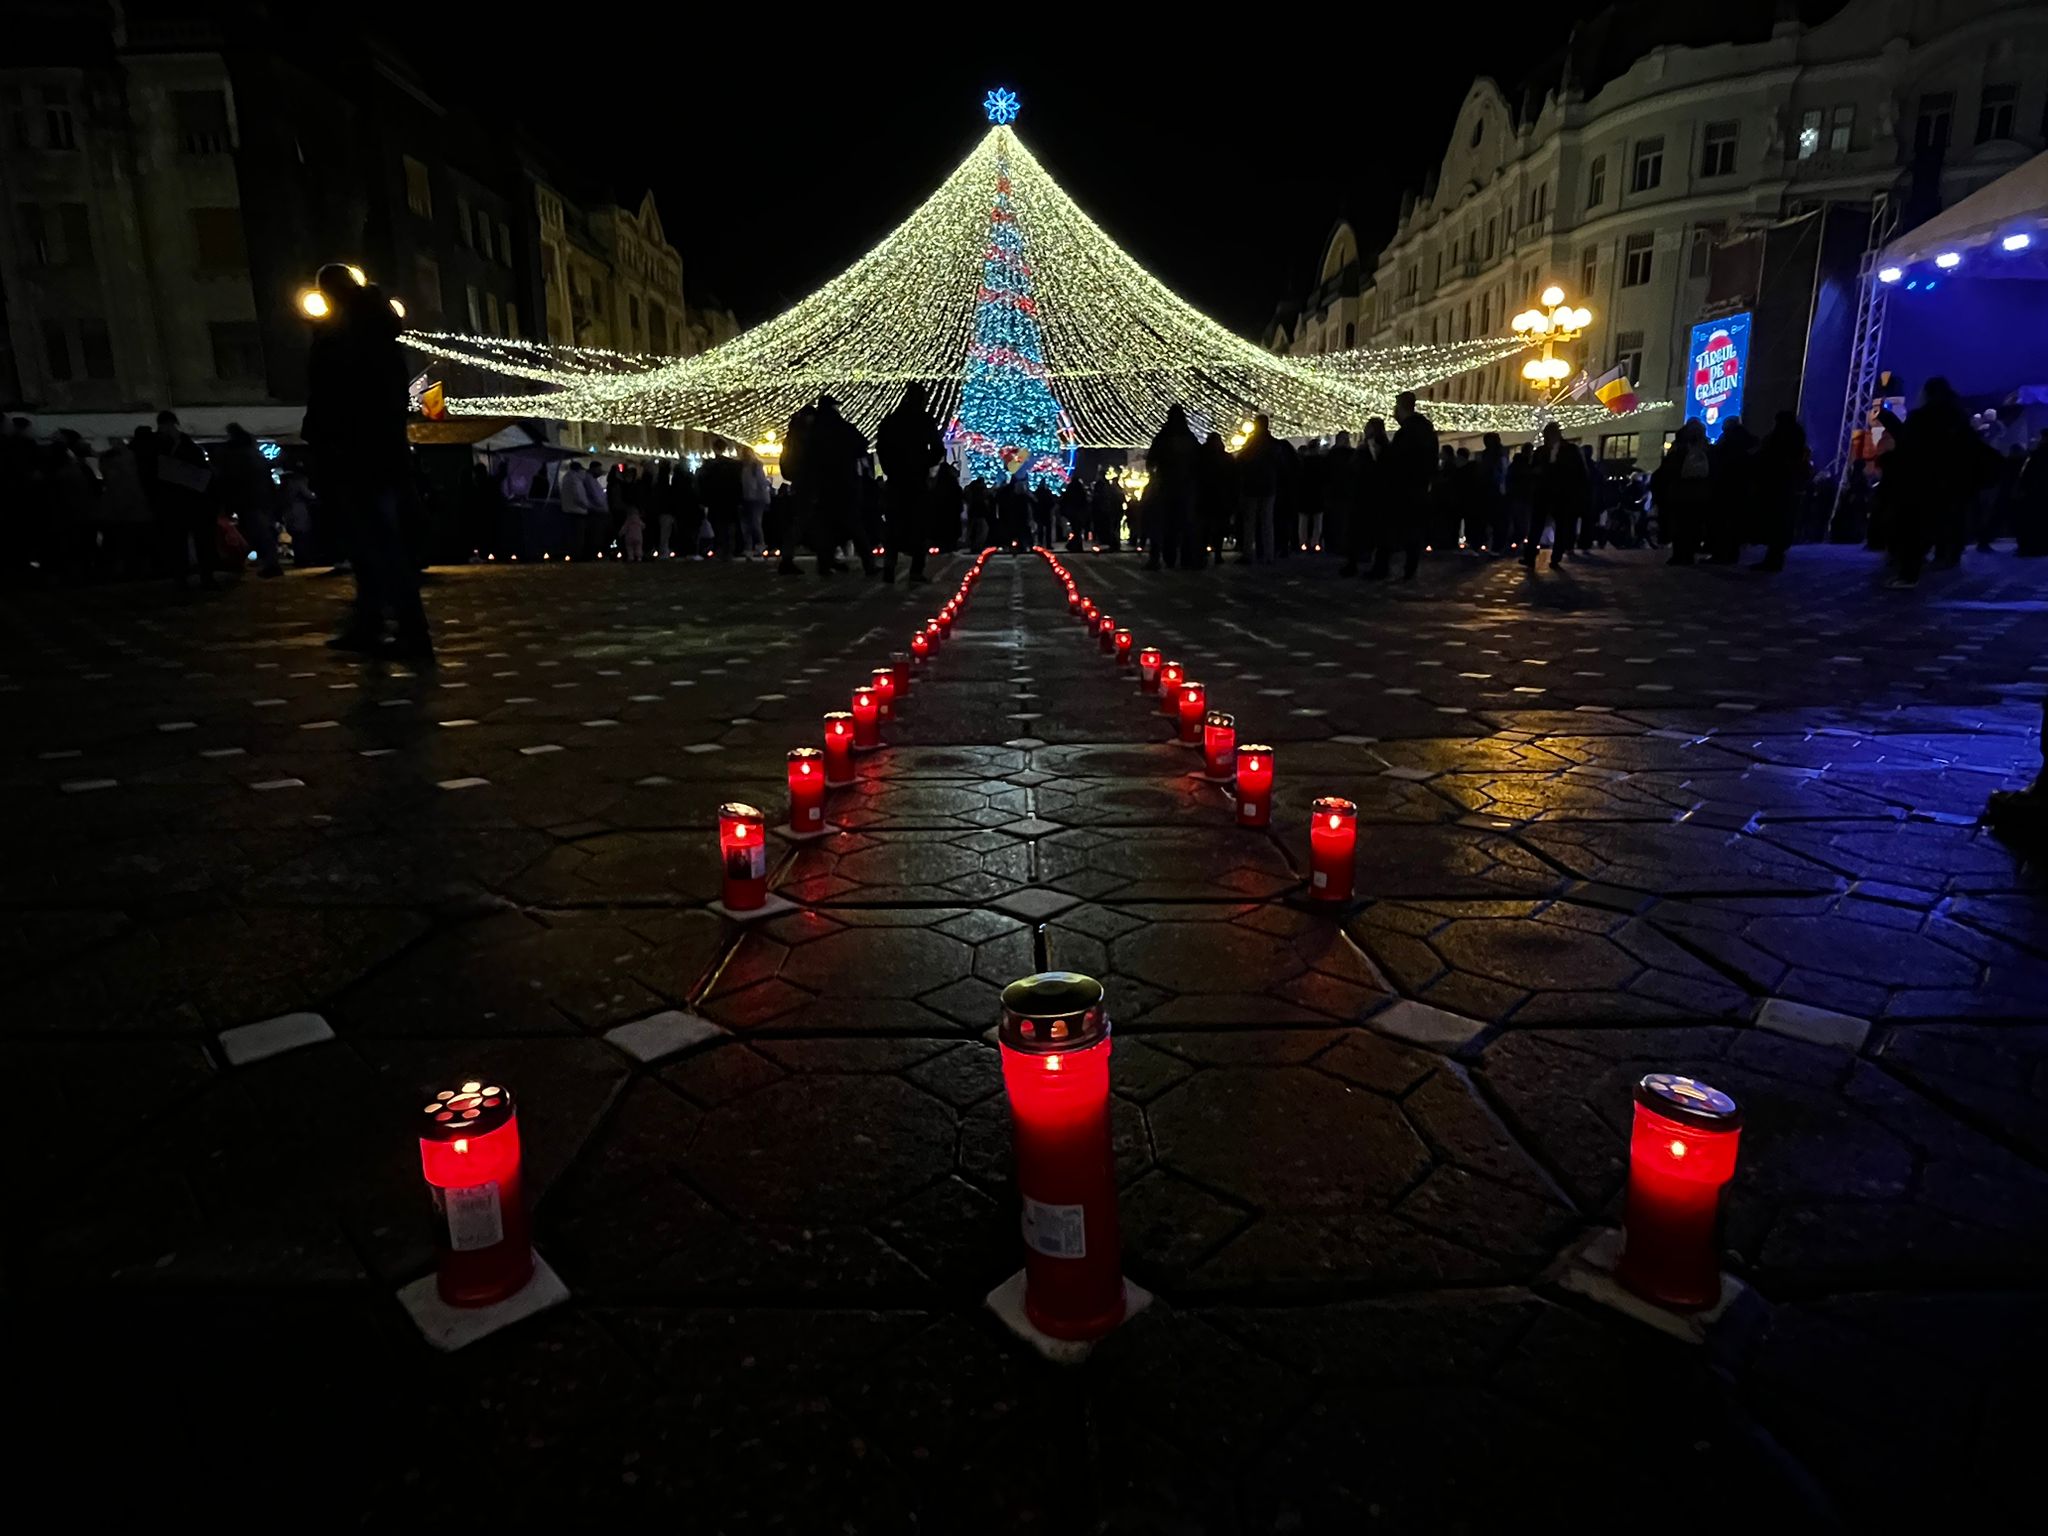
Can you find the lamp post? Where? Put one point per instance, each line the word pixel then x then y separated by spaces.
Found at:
pixel 1557 321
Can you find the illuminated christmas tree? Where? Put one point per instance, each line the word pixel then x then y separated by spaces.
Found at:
pixel 1008 417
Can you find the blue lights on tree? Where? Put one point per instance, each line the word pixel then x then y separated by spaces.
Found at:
pixel 1001 105
pixel 1009 419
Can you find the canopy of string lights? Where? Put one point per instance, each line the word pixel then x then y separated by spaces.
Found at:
pixel 1115 346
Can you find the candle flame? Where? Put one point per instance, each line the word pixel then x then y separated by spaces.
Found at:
pixel 1678 1149
pixel 1052 1063
pixel 462 1144
pixel 1336 822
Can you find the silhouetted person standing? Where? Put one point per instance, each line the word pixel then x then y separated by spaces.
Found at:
pixel 1170 498
pixel 834 455
pixel 908 445
pixel 1681 487
pixel 1368 498
pixel 355 424
pixel 1410 463
pixel 1258 490
pixel 1562 490
pixel 181 486
pixel 1783 476
pixel 803 507
pixel 1731 494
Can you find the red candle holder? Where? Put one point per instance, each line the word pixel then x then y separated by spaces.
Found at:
pixel 1170 674
pixel 1123 647
pixel 1254 785
pixel 885 691
pixel 1055 1046
pixel 1088 612
pixel 1681 1156
pixel 934 631
pixel 920 646
pixel 1332 845
pixel 469 1152
pixel 806 789
pixel 838 748
pixel 1105 633
pixel 743 848
pixel 1073 599
pixel 867 718
pixel 1148 669
pixel 1219 744
pixel 944 618
pixel 1192 703
pixel 899 664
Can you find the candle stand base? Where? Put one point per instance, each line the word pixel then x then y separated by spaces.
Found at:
pixel 452 1328
pixel 1587 1269
pixel 790 835
pixel 1007 1302
pixel 772 906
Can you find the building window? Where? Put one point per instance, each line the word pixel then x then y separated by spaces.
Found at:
pixel 60 128
pixel 483 233
pixel 1620 447
pixel 217 239
pixel 95 351
pixel 1635 260
pixel 1466 334
pixel 1489 238
pixel 1649 164
pixel 1704 238
pixel 57 351
pixel 57 236
pixel 476 310
pixel 1841 128
pixel 505 244
pixel 511 319
pixel 491 312
pixel 37 246
pixel 1350 335
pixel 1589 267
pixel 202 122
pixel 1439 282
pixel 1930 133
pixel 1478 131
pixel 426 276
pixel 463 230
pixel 419 191
pixel 237 349
pixel 1995 112
pixel 1539 204
pixel 1809 133
pixel 1596 182
pixel 1628 354
pixel 1717 151
pixel 1485 314
pixel 1409 281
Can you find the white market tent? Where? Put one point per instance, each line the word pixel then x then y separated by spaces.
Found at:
pixel 2015 204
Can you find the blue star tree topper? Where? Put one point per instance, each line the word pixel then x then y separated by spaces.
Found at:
pixel 1001 105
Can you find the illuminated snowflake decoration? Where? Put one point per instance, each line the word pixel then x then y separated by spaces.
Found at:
pixel 1000 105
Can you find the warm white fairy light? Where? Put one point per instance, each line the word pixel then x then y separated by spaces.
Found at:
pixel 1120 346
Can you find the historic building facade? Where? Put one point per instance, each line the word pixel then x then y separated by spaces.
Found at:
pixel 1621 190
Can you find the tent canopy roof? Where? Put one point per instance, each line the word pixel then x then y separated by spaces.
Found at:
pixel 2016 203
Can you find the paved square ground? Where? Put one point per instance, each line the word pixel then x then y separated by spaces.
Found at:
pixel 1612 819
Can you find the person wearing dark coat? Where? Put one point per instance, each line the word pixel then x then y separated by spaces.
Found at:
pixel 356 404
pixel 1215 498
pixel 1939 464
pixel 1258 493
pixel 1326 526
pixel 908 445
pixel 801 521
pixel 834 459
pixel 718 483
pixel 1563 489
pixel 946 504
pixel 1074 513
pixel 1407 467
pixel 1106 515
pixel 1783 475
pixel 1731 494
pixel 1174 462
pixel 181 496
pixel 1490 487
pixel 1681 487
pixel 2030 501
pixel 1368 495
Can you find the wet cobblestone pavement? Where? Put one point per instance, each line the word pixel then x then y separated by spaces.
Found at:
pixel 1612 820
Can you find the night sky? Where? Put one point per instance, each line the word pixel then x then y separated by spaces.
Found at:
pixel 779 153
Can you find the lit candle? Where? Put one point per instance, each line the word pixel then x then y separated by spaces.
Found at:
pixel 920 646
pixel 1170 674
pixel 899 665
pixel 743 846
pixel 469 1152
pixel 1219 744
pixel 1681 1156
pixel 838 748
pixel 934 632
pixel 1055 1047
pixel 806 789
pixel 1073 598
pixel 1148 669
pixel 1088 611
pixel 1332 841
pixel 867 718
pixel 1105 632
pixel 1193 704
pixel 1254 785
pixel 1123 647
pixel 945 618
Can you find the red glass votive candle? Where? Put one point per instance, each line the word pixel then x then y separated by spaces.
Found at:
pixel 1055 1046
pixel 1073 598
pixel 806 789
pixel 1219 744
pixel 469 1152
pixel 1681 1155
pixel 867 718
pixel 1254 785
pixel 885 691
pixel 1105 632
pixel 944 618
pixel 1088 612
pixel 1148 669
pixel 1170 674
pixel 1193 700
pixel 899 663
pixel 838 748
pixel 1123 647
pixel 743 851
pixel 1332 844
pixel 921 646
pixel 934 631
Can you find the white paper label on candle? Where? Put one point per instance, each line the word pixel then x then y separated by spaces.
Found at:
pixel 1319 880
pixel 1057 1231
pixel 474 1217
pixel 1247 809
pixel 815 813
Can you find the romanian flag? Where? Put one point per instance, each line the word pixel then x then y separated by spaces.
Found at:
pixel 1613 390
